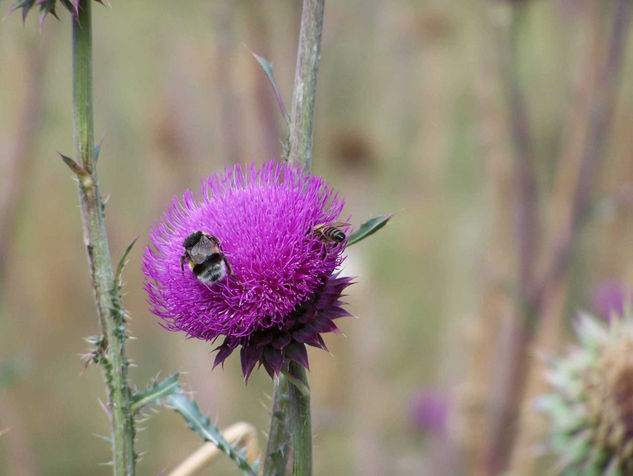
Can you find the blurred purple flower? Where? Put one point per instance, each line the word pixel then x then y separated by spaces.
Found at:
pixel 429 411
pixel 283 292
pixel 608 298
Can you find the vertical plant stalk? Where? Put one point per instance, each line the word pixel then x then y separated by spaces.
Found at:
pixel 511 388
pixel 536 291
pixel 477 397
pixel 552 291
pixel 300 144
pixel 17 163
pixel 15 167
pixel 111 351
pixel 277 448
pixel 524 174
pixel 299 422
pixel 304 97
pixel 599 125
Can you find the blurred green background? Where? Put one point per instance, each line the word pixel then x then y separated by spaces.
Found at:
pixel 409 121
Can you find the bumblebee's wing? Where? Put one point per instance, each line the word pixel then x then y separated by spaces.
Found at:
pixel 202 249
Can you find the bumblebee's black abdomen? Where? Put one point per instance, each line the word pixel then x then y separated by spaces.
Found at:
pixel 212 270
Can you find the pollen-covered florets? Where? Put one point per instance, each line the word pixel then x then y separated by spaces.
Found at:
pixel 590 407
pixel 281 292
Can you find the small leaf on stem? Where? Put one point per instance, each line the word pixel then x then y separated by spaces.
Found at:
pixel 302 387
pixel 268 69
pixel 74 166
pixel 119 269
pixel 97 150
pixel 368 228
pixel 156 393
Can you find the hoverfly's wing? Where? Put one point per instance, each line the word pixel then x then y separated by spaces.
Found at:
pixel 202 249
pixel 340 224
pixel 333 224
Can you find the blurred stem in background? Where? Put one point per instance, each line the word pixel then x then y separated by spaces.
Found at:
pixel 16 165
pixel 600 115
pixel 526 235
pixel 109 347
pixel 539 294
pixel 298 419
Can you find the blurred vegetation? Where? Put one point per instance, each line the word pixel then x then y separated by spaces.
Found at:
pixel 408 122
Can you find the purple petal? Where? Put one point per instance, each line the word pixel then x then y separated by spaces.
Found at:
pixel 282 341
pixel 298 353
pixel 223 353
pixel 249 354
pixel 323 324
pixel 274 359
pixel 305 334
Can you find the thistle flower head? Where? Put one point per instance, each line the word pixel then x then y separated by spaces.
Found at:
pixel 280 290
pixel 590 407
pixel 47 7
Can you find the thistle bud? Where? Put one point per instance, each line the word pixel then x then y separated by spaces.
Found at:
pixel 590 407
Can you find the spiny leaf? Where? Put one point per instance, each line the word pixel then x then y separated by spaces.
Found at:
pixel 368 228
pixel 268 69
pixel 119 269
pixel 201 424
pixel 72 165
pixel 156 393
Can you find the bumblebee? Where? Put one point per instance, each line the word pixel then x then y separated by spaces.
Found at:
pixel 330 232
pixel 204 256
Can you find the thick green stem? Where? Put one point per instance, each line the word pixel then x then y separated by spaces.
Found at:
pixel 278 448
pixel 299 422
pixel 303 101
pixel 300 144
pixel 110 352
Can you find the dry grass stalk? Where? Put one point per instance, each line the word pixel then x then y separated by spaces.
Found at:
pixel 241 433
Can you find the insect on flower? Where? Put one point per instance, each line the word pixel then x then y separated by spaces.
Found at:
pixel 204 256
pixel 261 220
pixel 330 232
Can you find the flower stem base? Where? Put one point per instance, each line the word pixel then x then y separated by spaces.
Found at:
pixel 299 421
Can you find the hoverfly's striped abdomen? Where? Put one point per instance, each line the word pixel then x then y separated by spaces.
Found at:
pixel 330 233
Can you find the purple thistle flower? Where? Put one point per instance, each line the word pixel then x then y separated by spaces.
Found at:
pixel 429 411
pixel 608 298
pixel 282 292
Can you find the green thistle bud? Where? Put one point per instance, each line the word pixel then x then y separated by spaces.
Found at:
pixel 590 408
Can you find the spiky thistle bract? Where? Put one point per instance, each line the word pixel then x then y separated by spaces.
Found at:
pixel 48 7
pixel 590 406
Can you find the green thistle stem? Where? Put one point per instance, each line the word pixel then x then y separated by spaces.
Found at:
pixel 299 422
pixel 277 448
pixel 111 351
pixel 300 144
pixel 304 97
